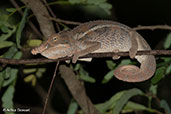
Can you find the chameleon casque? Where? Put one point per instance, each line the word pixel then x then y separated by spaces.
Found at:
pixel 98 37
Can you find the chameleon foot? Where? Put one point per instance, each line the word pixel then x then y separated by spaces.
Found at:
pixel 132 53
pixel 34 51
pixel 115 57
pixel 75 58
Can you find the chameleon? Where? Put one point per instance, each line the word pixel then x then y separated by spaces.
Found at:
pixel 98 37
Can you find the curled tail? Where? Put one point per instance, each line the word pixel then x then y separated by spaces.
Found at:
pixel 131 73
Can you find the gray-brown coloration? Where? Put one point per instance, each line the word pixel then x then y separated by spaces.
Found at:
pixel 102 36
pixel 41 13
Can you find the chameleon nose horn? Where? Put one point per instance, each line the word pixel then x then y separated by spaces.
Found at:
pixel 39 49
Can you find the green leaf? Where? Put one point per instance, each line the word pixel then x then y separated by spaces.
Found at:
pixel 77 67
pixel 96 2
pixel 10 53
pixel 13 53
pixel 84 75
pixel 21 27
pixel 1 79
pixel 168 70
pixel 38 74
pixel 8 30
pixel 160 72
pixel 13 76
pixel 33 82
pixel 164 104
pixel 87 78
pixel 117 101
pixel 11 10
pixel 166 59
pixel 110 64
pixel 4 44
pixel 59 2
pixel 132 106
pixel 167 42
pixel 18 55
pixel 31 70
pixel 8 97
pixel 40 71
pixel 29 78
pixel 153 89
pixel 106 7
pixel 4 29
pixel 103 107
pixel 101 4
pixel 124 99
pixel 72 107
pixel 34 42
pixel 108 77
pixel 125 62
pixel 7 72
pixel 76 1
pixel 3 18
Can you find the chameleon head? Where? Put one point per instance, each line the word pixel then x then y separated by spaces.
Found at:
pixel 55 47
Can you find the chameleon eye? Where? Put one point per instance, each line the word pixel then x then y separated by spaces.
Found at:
pixel 54 38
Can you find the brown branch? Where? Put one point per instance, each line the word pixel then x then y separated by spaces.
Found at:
pixel 64 21
pixel 164 27
pixel 93 55
pixel 40 11
pixel 42 94
pixel 77 90
pixel 14 3
pixel 50 87
pixel 51 12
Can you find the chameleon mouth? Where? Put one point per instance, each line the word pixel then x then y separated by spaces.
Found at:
pixel 39 49
pixel 57 51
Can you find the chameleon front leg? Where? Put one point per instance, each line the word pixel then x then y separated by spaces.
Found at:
pixel 89 46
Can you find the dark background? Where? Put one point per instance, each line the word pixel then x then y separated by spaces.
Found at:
pixel 129 12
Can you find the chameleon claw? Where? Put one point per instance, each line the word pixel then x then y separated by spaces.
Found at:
pixel 115 57
pixel 75 58
pixel 34 51
pixel 132 53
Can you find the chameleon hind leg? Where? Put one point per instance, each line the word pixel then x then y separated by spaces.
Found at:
pixel 134 44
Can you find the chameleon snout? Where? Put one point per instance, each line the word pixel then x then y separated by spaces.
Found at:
pixel 40 49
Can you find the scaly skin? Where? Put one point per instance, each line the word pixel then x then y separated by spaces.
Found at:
pixel 102 36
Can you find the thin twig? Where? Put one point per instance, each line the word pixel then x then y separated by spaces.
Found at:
pixel 93 55
pixel 164 27
pixel 50 87
pixel 64 21
pixel 51 12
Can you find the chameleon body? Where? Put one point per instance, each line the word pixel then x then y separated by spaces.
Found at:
pixel 102 36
